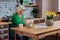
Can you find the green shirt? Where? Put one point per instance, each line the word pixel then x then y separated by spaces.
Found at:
pixel 16 20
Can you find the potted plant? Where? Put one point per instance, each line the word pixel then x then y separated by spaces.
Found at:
pixel 35 12
pixel 49 18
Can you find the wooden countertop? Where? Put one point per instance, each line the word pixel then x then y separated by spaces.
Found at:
pixel 5 23
pixel 34 5
pixel 33 30
pixel 34 19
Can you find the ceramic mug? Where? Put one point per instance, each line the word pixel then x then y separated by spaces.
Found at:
pixel 20 25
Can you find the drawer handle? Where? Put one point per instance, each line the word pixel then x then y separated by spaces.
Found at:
pixel 2 31
pixel 2 37
pixel 2 26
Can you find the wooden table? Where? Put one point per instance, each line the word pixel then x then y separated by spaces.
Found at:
pixel 37 33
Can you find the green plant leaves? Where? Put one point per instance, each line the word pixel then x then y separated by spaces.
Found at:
pixel 50 17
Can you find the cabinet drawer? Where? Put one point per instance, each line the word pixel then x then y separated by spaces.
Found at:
pixel 3 37
pixel 3 26
pixel 4 32
pixel 39 21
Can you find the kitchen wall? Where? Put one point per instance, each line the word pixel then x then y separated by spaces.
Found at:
pixel 39 6
pixel 8 6
pixel 55 4
pixel 43 6
pixel 59 5
pixel 50 5
pixel 46 5
pixel 28 10
pixel 27 13
pixel 7 0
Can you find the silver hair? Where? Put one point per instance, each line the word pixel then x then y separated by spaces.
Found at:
pixel 19 8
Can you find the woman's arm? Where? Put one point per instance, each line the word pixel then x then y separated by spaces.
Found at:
pixel 15 20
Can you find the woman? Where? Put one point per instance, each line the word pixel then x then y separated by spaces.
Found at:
pixel 17 19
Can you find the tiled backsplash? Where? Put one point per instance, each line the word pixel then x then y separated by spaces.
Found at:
pixel 7 8
pixel 27 12
pixel 8 0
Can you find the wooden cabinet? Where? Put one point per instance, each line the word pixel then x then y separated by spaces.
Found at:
pixel 4 37
pixel 3 26
pixel 4 31
pixel 39 21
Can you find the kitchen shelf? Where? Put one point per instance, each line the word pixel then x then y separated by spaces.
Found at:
pixel 30 5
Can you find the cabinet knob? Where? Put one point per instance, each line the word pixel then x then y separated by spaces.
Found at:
pixel 2 37
pixel 2 31
pixel 2 26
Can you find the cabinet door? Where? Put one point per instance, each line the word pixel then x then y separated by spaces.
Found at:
pixel 4 32
pixel 3 26
pixel 4 37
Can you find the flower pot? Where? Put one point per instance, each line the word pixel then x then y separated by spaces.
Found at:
pixel 49 22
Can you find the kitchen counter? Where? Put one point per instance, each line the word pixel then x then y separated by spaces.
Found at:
pixel 34 18
pixel 5 23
